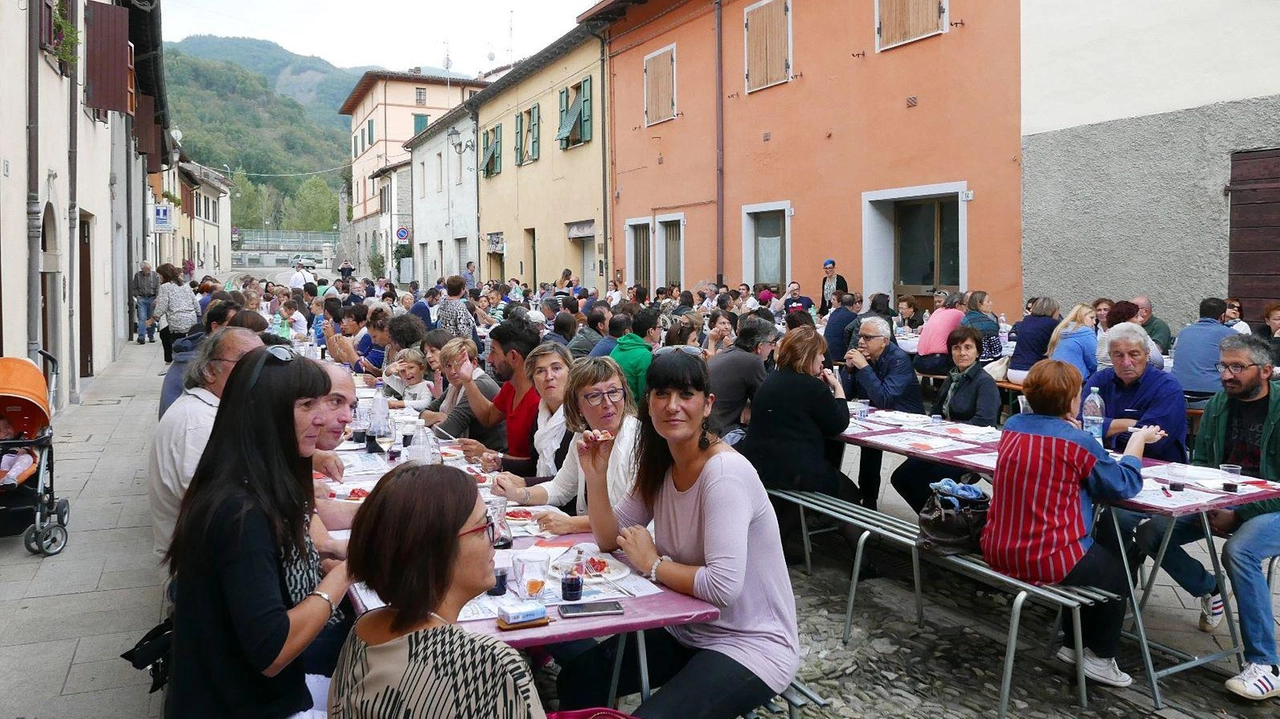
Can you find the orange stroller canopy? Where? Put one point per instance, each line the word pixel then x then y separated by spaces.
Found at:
pixel 24 395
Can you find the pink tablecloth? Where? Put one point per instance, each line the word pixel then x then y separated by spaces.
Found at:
pixel 1221 500
pixel 659 610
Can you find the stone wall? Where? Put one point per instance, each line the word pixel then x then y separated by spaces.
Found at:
pixel 1137 206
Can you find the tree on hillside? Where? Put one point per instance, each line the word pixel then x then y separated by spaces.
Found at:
pixel 246 202
pixel 314 207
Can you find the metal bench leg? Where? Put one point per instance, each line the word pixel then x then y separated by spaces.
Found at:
pixel 915 575
pixel 804 534
pixel 853 585
pixel 1078 639
pixel 1011 649
pixel 1055 629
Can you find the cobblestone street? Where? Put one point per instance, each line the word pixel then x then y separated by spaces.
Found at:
pixel 67 618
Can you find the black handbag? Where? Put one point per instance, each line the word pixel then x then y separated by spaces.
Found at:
pixel 952 524
pixel 153 652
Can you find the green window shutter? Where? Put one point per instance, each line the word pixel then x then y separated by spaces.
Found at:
pixel 497 149
pixel 519 138
pixel 535 127
pixel 564 110
pixel 484 164
pixel 585 130
pixel 420 123
pixel 371 132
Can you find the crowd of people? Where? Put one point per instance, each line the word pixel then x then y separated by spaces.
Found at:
pixel 675 410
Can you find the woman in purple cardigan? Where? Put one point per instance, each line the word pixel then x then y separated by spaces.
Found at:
pixel 715 538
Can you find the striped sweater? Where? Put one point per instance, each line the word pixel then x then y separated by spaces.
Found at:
pixel 1048 476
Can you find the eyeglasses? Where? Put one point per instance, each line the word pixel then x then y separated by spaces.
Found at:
pixel 280 352
pixel 869 338
pixel 1234 307
pixel 615 395
pixel 487 528
pixel 687 349
pixel 1234 368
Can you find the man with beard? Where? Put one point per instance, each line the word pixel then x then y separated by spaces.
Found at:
pixel 1239 426
pixel 517 402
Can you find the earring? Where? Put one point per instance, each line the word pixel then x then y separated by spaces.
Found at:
pixel 704 442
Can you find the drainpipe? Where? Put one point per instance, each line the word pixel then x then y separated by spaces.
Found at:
pixel 33 183
pixel 719 143
pixel 73 210
pixel 604 155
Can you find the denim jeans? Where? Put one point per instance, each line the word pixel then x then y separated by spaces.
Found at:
pixel 144 307
pixel 1255 542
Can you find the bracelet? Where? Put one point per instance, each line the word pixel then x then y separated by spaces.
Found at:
pixel 525 498
pixel 333 608
pixel 653 570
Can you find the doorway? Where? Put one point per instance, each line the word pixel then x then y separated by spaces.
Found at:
pixel 85 311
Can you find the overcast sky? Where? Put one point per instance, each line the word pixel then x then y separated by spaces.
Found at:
pixel 396 34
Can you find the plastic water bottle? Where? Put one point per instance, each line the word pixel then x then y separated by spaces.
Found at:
pixel 924 319
pixel 380 413
pixel 1095 410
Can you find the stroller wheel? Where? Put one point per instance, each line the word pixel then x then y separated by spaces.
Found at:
pixel 29 540
pixel 53 539
pixel 63 511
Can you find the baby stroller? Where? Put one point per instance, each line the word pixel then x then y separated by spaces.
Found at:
pixel 24 402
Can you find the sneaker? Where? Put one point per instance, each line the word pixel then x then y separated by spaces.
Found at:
pixel 152 340
pixel 1103 671
pixel 141 341
pixel 1257 682
pixel 1210 612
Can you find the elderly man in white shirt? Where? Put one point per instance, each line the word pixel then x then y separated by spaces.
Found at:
pixel 184 430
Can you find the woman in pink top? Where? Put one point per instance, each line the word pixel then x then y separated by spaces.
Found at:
pixel 932 356
pixel 715 538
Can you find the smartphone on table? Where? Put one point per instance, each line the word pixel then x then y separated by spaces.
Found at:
pixel 590 609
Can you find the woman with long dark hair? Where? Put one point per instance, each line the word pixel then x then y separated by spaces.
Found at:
pixel 248 597
pixel 716 539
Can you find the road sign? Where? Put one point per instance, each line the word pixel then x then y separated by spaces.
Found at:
pixel 402 235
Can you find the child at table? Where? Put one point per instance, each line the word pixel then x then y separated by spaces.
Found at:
pixel 14 462
pixel 412 367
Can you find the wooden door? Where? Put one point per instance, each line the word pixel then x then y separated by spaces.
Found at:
pixel 85 310
pixel 1253 270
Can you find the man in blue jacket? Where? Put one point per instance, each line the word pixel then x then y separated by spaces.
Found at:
pixel 879 371
pixel 837 321
pixel 1197 348
pixel 1137 394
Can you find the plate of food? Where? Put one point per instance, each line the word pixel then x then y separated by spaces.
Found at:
pixel 450 453
pixel 520 515
pixel 482 478
pixel 593 566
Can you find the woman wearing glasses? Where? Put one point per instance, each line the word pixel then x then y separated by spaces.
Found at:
pixel 248 597
pixel 715 538
pixel 598 406
pixel 410 658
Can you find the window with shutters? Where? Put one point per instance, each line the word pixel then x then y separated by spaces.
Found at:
pixel 528 135
pixel 902 21
pixel 491 160
pixel 660 86
pixel 420 95
pixel 575 115
pixel 371 132
pixel 767 30
pixel 439 172
pixel 355 147
pixel 132 88
pixel 420 122
pixel 48 10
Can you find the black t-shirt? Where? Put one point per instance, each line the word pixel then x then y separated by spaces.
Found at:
pixel 1243 444
pixel 230 622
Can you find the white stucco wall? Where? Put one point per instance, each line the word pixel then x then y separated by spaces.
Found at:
pixel 13 177
pixel 1092 61
pixel 447 212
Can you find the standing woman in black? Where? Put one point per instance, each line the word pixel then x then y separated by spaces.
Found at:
pixel 248 597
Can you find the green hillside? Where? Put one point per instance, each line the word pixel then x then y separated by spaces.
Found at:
pixel 229 115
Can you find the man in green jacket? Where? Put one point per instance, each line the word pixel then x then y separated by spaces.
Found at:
pixel 635 350
pixel 1240 426
pixel 1157 329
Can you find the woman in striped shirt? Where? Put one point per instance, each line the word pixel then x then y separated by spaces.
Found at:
pixel 1049 472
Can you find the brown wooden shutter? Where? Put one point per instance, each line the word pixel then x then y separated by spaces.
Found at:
pixel 768 45
pixel 906 20
pixel 659 76
pixel 1254 261
pixel 108 55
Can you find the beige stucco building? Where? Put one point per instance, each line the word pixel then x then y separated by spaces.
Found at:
pixel 386 110
pixel 541 165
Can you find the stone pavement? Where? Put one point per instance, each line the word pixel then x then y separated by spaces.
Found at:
pixel 66 619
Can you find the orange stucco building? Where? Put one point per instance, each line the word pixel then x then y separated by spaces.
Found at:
pixel 884 134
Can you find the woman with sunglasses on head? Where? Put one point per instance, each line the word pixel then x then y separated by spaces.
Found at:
pixel 598 407
pixel 716 539
pixel 410 659
pixel 248 595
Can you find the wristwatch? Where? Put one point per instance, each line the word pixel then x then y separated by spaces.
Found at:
pixel 333 608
